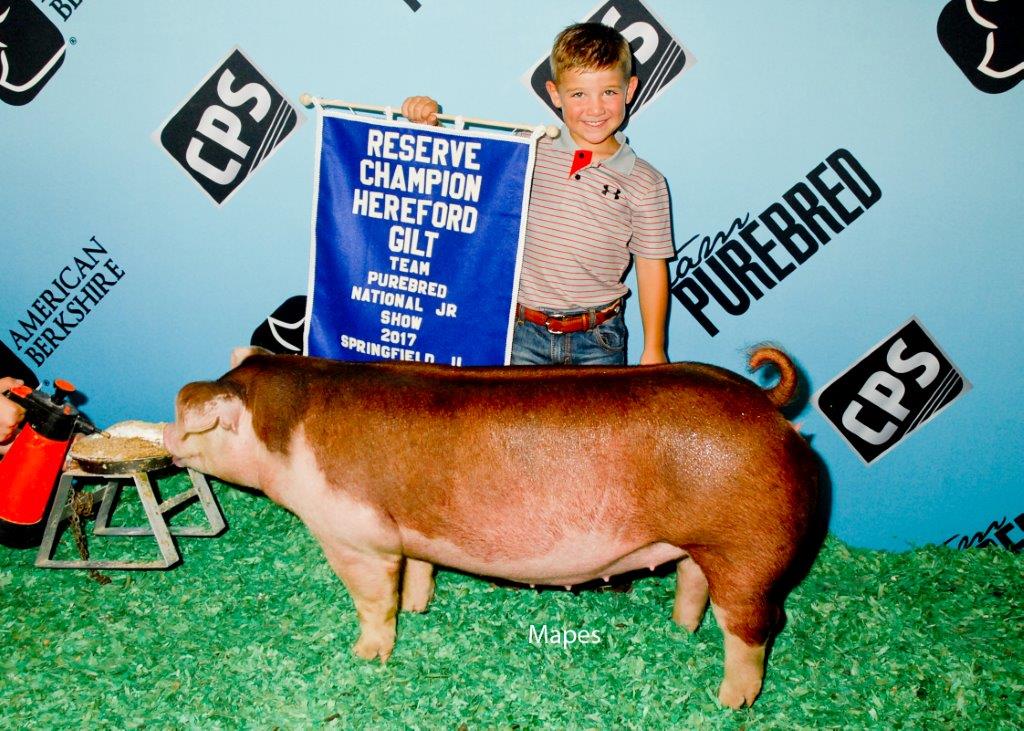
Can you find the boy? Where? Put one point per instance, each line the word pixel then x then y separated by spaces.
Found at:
pixel 593 203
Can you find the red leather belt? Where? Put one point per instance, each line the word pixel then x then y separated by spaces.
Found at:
pixel 571 323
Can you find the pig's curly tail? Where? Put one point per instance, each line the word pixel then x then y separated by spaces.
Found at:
pixel 782 392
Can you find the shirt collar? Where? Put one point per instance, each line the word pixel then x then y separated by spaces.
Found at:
pixel 621 162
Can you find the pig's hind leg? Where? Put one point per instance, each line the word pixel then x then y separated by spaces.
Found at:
pixel 748 612
pixel 691 594
pixel 372 580
pixel 417 585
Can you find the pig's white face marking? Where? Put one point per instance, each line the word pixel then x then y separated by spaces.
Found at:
pixel 177 442
pixel 216 439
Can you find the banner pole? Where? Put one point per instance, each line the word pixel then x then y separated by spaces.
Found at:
pixel 308 100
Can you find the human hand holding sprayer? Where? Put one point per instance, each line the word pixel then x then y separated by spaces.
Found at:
pixel 11 414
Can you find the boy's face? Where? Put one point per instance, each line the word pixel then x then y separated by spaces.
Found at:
pixel 593 104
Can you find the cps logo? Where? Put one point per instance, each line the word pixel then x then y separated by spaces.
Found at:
pixel 233 121
pixel 897 387
pixel 31 51
pixel 658 58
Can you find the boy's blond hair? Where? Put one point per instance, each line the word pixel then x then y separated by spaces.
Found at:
pixel 590 47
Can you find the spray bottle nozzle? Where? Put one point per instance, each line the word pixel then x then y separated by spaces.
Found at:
pixel 61 390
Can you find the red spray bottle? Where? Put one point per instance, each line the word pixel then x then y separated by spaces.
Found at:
pixel 28 473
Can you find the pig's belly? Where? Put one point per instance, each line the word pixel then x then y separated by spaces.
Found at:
pixel 572 561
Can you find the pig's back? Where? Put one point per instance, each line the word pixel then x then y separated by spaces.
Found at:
pixel 540 454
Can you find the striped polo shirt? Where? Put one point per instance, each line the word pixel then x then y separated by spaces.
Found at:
pixel 583 227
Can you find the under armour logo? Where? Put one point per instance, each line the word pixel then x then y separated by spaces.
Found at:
pixel 608 189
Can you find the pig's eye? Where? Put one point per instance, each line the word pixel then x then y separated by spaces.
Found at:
pixel 201 428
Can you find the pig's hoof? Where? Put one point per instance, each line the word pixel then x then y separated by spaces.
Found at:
pixel 690 622
pixel 414 603
pixel 736 695
pixel 369 646
pixel 688 617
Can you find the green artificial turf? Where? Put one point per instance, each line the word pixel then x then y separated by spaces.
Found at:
pixel 252 630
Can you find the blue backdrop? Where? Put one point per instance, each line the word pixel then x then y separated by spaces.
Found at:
pixel 769 92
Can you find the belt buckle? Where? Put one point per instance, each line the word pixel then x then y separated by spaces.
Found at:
pixel 547 324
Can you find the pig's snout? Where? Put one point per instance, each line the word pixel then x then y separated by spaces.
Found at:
pixel 172 443
pixel 168 438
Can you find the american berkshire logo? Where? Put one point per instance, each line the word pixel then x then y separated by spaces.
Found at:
pixel 65 301
pixel 233 121
pixel 31 51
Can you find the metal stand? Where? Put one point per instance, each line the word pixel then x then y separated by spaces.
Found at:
pixel 158 526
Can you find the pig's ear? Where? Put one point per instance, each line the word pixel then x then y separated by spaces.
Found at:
pixel 240 354
pixel 229 413
pixel 197 419
pixel 222 410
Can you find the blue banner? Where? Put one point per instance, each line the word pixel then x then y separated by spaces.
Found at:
pixel 417 235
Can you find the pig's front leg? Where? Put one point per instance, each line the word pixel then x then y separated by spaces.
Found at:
pixel 417 585
pixel 372 581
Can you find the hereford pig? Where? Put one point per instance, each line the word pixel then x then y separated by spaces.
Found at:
pixel 540 475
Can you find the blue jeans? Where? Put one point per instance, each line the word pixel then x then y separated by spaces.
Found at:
pixel 603 345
